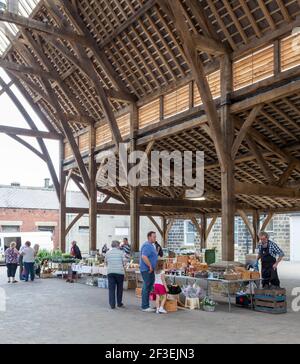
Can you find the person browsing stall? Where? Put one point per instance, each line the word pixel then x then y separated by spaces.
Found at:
pixel 270 255
pixel 148 263
pixel 114 260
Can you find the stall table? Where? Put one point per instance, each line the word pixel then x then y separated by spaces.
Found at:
pixel 226 283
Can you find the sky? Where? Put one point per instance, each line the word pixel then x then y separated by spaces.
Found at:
pixel 17 163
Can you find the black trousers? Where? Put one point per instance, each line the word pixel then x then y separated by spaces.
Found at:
pixel 269 274
pixel 11 270
pixel 115 287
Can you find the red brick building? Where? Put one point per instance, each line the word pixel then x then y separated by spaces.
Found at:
pixel 31 209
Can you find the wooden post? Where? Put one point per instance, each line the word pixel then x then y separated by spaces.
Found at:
pixel 164 228
pixel 62 200
pixel 93 190
pixel 227 173
pixel 256 223
pixel 203 232
pixel 134 191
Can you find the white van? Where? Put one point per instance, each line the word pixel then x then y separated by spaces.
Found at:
pixel 43 239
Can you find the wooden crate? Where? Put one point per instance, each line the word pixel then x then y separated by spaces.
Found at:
pixel 270 301
pixel 46 275
pixel 171 306
pixel 138 292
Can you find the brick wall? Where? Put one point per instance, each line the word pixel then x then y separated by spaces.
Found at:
pixel 29 218
pixel 243 241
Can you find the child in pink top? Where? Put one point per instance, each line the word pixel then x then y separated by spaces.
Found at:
pixel 160 288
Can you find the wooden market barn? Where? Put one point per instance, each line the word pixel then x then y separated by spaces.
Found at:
pixel 220 76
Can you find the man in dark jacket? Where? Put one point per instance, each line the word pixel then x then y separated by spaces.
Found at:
pixel 75 251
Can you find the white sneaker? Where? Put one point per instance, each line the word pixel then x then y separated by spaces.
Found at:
pixel 162 310
pixel 149 310
pixel 157 311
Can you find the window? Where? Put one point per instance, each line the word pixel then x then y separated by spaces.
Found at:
pixel 190 233
pixel 122 231
pixel 84 229
pixel 10 228
pixel 46 228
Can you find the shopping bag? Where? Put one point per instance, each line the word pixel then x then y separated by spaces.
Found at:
pixel 152 296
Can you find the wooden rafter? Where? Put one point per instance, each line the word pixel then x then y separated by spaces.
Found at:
pixel 98 53
pixel 155 223
pixel 173 9
pixel 73 222
pixel 247 222
pixel 40 141
pixel 267 14
pixel 260 159
pixel 267 220
pixel 259 189
pixel 28 132
pixel 243 131
pixel 28 146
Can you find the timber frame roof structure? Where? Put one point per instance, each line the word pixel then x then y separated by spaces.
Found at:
pixel 162 73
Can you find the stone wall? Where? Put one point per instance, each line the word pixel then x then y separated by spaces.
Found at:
pixel 280 233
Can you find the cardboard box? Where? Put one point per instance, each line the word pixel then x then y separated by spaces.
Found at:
pixel 255 275
pixel 240 269
pixel 246 275
pixel 183 259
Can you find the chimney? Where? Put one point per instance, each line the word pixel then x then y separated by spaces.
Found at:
pixel 47 182
pixel 13 6
pixel 15 184
pixel 3 5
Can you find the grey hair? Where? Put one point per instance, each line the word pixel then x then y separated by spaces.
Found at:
pixel 115 244
pixel 264 234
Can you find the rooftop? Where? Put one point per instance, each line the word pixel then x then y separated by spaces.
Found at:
pixel 37 198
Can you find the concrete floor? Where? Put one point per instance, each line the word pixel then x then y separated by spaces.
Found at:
pixel 51 311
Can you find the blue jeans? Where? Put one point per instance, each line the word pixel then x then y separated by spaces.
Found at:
pixel 29 269
pixel 149 279
pixel 115 283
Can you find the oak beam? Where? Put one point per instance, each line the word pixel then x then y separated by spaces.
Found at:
pixel 257 189
pixel 28 132
pixel 227 172
pixel 73 222
pixel 243 131
pixel 93 191
pixel 62 202
pixel 174 10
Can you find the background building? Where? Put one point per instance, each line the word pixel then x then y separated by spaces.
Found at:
pixel 31 209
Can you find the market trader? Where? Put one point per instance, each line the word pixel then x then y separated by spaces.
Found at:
pixel 271 255
pixel 148 263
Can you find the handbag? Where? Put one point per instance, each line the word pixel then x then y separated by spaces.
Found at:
pixel 174 289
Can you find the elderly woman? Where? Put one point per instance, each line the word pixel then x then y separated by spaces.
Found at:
pixel 11 260
pixel 270 255
pixel 115 260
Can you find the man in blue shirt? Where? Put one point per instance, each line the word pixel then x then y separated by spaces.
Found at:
pixel 148 263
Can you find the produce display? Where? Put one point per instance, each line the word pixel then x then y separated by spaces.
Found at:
pixel 208 304
pixel 188 265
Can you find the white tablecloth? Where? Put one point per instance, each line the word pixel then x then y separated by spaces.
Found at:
pixel 85 269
